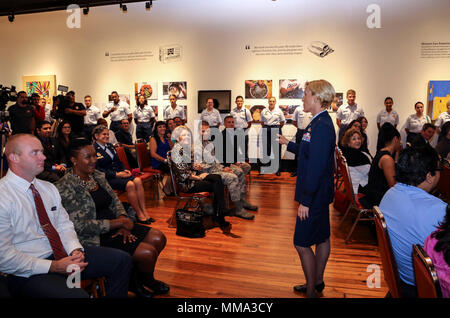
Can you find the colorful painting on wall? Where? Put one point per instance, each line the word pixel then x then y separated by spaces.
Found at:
pixel 438 96
pixel 44 85
pixel 148 89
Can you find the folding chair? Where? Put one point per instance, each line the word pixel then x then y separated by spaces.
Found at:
pixel 192 200
pixel 144 163
pixel 427 281
pixel 363 214
pixel 390 270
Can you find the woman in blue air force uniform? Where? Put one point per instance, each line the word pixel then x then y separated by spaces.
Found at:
pixel 314 189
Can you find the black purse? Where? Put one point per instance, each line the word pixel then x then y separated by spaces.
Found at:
pixel 190 223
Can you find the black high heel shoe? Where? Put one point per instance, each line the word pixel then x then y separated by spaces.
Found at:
pixel 137 287
pixel 148 221
pixel 302 288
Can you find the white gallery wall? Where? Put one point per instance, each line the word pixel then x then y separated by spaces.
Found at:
pixel 376 62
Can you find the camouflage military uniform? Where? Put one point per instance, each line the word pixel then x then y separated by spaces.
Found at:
pixel 81 207
pixel 235 183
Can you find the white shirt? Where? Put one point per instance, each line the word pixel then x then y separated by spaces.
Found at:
pixel 303 119
pixel 347 113
pixel 442 119
pixel 144 115
pixel 271 118
pixel 241 117
pixel 385 117
pixel 122 111
pixel 212 117
pixel 170 113
pixel 24 245
pixel 48 110
pixel 92 115
pixel 414 124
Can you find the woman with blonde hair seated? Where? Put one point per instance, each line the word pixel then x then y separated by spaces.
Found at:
pixel 189 180
pixel 358 161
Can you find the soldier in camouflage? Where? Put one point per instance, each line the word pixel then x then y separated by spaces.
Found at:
pixel 205 161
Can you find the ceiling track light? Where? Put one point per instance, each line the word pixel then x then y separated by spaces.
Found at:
pixel 124 8
pixel 11 17
pixel 86 10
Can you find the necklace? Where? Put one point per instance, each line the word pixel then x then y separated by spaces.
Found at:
pixel 89 185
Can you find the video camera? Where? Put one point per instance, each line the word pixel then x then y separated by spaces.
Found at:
pixel 7 94
pixel 61 101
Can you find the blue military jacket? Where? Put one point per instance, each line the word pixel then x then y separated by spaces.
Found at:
pixel 315 166
pixel 105 163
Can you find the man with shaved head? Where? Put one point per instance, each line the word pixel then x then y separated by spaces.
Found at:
pixel 39 246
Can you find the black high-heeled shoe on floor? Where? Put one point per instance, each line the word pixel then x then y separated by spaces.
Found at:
pixel 302 288
pixel 148 221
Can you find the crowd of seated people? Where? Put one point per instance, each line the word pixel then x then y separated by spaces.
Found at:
pixel 100 220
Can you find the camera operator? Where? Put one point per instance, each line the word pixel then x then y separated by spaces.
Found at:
pixel 74 113
pixel 21 115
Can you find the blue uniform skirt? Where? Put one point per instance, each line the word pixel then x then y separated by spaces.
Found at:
pixel 315 229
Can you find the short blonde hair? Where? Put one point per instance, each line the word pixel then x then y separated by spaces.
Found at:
pixel 176 133
pixel 323 90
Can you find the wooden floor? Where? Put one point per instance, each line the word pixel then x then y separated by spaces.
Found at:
pixel 258 259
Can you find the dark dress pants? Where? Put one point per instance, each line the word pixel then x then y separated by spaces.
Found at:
pixel 268 131
pixel 213 183
pixel 113 264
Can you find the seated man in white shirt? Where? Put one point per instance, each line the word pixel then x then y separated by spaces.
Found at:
pixel 39 242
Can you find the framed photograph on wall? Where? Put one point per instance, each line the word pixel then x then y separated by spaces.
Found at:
pixel 221 98
pixel 177 88
pixel 255 110
pixel 291 89
pixel 44 85
pixel 258 89
pixel 148 89
pixel 337 102
pixel 438 96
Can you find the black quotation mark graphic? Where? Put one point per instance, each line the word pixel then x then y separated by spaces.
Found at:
pixel 247 47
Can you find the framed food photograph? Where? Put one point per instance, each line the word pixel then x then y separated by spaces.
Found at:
pixel 438 96
pixel 148 89
pixel 221 98
pixel 44 85
pixel 255 110
pixel 291 89
pixel 179 89
pixel 258 89
pixel 337 102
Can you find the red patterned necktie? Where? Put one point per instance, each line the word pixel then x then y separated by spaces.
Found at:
pixel 47 227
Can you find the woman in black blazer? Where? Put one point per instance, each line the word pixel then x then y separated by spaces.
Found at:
pixel 120 179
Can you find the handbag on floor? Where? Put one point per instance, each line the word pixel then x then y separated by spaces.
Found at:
pixel 190 223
